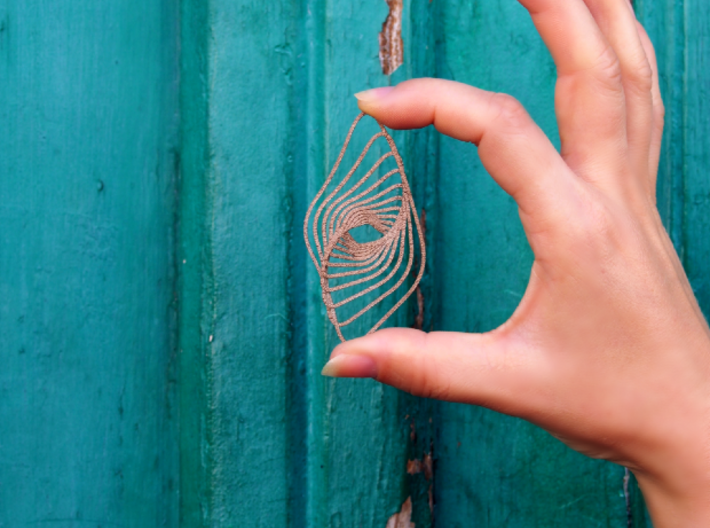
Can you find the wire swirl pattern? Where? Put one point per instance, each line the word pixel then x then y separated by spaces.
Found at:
pixel 385 204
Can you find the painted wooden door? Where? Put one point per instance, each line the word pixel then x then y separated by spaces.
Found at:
pixel 161 330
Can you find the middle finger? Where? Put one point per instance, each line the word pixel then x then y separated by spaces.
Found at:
pixel 617 21
pixel 589 102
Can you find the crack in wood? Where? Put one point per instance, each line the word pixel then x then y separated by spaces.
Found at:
pixel 627 498
pixel 419 320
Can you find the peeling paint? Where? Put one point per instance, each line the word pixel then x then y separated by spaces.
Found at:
pixel 421 466
pixel 391 45
pixel 414 466
pixel 430 493
pixel 426 466
pixel 403 519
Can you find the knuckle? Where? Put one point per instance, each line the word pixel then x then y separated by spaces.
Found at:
pixel 427 382
pixel 659 113
pixel 659 122
pixel 429 385
pixel 641 76
pixel 608 70
pixel 511 114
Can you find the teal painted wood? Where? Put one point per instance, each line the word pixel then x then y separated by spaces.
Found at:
pixel 265 110
pixel 235 232
pixel 88 136
pixel 89 429
pixel 194 281
pixel 696 174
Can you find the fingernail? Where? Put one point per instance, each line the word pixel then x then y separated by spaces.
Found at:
pixel 370 96
pixel 350 366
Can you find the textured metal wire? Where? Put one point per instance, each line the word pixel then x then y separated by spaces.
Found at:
pixel 390 211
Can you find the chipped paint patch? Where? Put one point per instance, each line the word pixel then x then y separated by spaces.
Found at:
pixel 421 466
pixel 426 466
pixel 391 45
pixel 403 519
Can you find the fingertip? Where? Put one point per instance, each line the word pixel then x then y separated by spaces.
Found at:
pixel 369 100
pixel 350 366
pixel 373 95
pixel 365 107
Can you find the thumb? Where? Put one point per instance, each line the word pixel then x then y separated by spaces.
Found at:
pixel 494 370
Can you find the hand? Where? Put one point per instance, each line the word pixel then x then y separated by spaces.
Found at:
pixel 608 350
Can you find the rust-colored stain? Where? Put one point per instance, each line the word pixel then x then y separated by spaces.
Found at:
pixel 421 466
pixel 414 466
pixel 430 493
pixel 391 46
pixel 426 466
pixel 419 320
pixel 403 519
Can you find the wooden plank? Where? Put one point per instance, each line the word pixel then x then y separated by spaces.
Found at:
pixel 235 274
pixel 362 420
pixel 266 441
pixel 494 470
pixel 195 280
pixel 696 182
pixel 88 106
pixel 358 457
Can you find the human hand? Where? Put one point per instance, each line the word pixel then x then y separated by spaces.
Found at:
pixel 608 350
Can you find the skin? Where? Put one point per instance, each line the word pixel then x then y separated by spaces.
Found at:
pixel 608 350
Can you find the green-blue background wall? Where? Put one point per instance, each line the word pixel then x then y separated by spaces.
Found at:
pixel 161 331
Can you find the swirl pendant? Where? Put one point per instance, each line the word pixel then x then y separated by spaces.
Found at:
pixel 361 275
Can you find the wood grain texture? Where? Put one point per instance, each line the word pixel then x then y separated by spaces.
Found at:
pixel 265 111
pixel 235 231
pixel 696 228
pixel 88 136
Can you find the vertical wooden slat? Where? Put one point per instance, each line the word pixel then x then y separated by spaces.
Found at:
pixel 422 164
pixel 195 280
pixel 308 488
pixel 314 53
pixel 88 143
pixel 358 431
pixel 235 280
pixel 360 415
pixel 264 114
pixel 696 182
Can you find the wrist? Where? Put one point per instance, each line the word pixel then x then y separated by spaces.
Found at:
pixel 676 506
pixel 674 470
